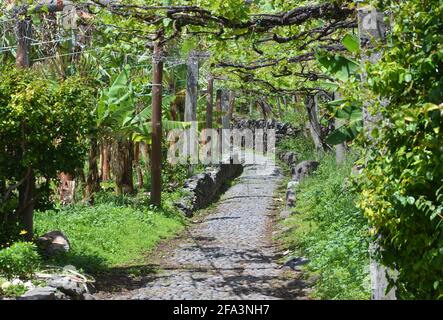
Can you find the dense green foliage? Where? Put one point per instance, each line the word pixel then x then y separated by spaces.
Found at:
pixel 401 185
pixel 19 260
pixel 331 232
pixel 46 119
pixel 44 126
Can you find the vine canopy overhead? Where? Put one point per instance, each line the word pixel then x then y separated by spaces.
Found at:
pixel 268 45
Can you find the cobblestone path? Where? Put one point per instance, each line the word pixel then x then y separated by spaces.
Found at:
pixel 229 254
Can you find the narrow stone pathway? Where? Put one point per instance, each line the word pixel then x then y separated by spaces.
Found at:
pixel 230 253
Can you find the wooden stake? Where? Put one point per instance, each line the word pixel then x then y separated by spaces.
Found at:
pixel 24 33
pixel 191 89
pixel 156 125
pixel 209 104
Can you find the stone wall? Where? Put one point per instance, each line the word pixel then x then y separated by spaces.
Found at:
pixel 203 188
pixel 282 130
pixel 298 172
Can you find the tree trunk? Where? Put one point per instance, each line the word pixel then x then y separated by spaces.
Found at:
pixel 105 161
pixel 26 204
pixel 263 109
pixel 144 148
pixel 26 191
pixel 121 164
pixel 209 109
pixel 137 165
pixel 280 114
pixel 218 108
pixel 372 29
pixel 314 124
pixel 92 180
pixel 340 149
pixel 66 188
pixel 24 35
pixel 81 181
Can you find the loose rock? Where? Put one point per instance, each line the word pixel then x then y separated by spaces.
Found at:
pixel 304 169
pixel 44 293
pixel 295 263
pixel 68 286
pixel 290 194
pixel 290 158
pixel 54 242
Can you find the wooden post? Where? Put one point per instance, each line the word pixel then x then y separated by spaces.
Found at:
pixel 26 199
pixel 218 108
pixel 191 89
pixel 24 34
pixel 156 121
pixel 225 109
pixel 209 102
pixel 191 107
pixel 209 107
pixel 314 124
pixel 371 29
pixel 340 149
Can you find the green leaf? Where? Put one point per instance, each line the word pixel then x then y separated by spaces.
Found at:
pixel 337 66
pixel 351 42
pixel 337 136
pixel 345 133
pixel 328 85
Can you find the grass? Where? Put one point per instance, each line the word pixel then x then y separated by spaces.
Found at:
pixel 331 232
pixel 303 146
pixel 117 231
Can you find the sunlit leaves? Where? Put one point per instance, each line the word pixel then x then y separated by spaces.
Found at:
pixel 338 66
pixel 402 182
pixel 351 42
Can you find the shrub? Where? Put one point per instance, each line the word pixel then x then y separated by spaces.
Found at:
pixel 401 186
pixel 19 260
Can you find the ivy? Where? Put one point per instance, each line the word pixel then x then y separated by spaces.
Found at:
pixel 401 185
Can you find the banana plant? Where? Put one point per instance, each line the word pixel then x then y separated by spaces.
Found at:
pixel 352 116
pixel 116 110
